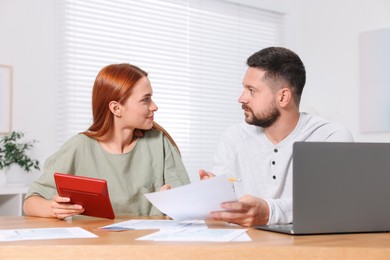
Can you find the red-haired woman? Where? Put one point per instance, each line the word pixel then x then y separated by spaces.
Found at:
pixel 123 145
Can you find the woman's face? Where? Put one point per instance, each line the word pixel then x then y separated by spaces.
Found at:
pixel 138 110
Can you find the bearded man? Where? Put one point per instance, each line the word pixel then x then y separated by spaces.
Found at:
pixel 258 152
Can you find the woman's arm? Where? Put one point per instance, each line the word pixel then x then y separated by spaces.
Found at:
pixel 58 207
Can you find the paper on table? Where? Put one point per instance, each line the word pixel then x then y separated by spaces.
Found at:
pixel 44 233
pixel 195 200
pixel 141 224
pixel 209 235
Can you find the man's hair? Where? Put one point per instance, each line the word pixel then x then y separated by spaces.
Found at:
pixel 281 64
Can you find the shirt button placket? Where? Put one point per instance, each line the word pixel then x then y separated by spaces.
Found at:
pixel 274 163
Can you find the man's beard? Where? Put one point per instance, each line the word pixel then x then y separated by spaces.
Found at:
pixel 266 119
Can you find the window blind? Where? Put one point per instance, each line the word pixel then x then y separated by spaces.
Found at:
pixel 194 52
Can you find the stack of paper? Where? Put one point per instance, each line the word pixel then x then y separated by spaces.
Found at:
pixel 170 230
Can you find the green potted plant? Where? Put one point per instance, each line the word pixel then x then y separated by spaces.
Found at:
pixel 14 152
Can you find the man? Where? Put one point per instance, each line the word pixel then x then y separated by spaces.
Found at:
pixel 258 152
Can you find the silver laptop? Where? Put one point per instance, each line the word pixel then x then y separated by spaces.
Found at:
pixel 339 188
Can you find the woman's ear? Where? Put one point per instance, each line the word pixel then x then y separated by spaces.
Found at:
pixel 115 108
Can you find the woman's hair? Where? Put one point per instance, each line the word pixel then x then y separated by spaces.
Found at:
pixel 114 82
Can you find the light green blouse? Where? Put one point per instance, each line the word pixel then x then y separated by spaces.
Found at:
pixel 153 162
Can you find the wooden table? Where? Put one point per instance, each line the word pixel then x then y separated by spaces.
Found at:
pixel 122 245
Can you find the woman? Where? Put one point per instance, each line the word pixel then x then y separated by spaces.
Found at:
pixel 123 145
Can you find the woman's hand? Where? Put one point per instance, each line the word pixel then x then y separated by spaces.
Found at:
pixel 57 207
pixel 62 208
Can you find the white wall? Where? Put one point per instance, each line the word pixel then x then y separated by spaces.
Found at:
pixel 27 43
pixel 324 33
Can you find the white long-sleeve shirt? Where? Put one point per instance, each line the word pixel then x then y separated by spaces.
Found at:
pixel 264 168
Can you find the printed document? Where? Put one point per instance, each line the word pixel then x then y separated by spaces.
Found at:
pixel 202 235
pixel 145 224
pixel 44 233
pixel 195 200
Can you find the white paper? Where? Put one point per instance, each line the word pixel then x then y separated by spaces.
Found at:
pixel 144 224
pixel 244 237
pixel 195 200
pixel 44 233
pixel 196 235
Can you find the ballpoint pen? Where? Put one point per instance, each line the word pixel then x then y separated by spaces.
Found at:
pixel 234 179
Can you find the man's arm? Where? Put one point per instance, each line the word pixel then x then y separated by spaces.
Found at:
pixel 247 212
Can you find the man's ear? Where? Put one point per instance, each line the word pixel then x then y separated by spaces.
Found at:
pixel 285 96
pixel 115 108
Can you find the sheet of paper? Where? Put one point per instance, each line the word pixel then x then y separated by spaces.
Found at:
pixel 44 233
pixel 155 224
pixel 195 200
pixel 192 235
pixel 244 237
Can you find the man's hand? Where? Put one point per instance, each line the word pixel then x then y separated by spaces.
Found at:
pixel 61 208
pixel 203 175
pixel 248 211
pixel 165 187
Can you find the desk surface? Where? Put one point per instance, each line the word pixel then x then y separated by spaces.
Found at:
pixel 113 245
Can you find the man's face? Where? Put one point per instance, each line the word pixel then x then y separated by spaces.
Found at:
pixel 258 100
